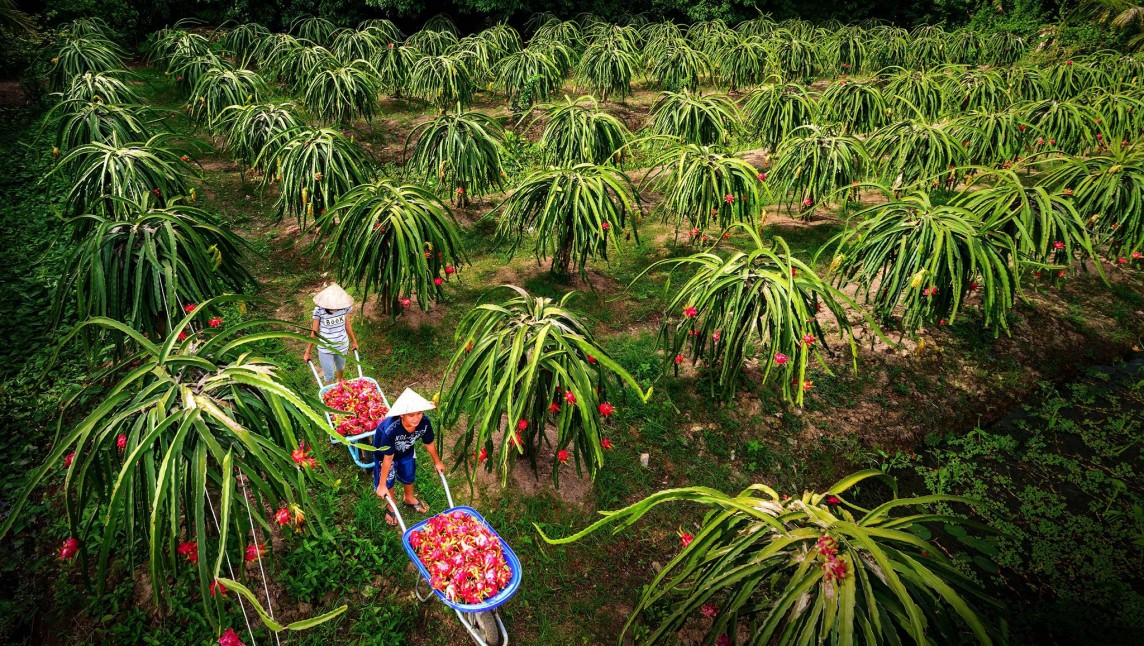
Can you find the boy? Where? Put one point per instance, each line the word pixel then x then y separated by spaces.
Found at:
pixel 398 432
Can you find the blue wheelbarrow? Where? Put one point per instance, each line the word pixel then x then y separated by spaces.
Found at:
pixel 481 620
pixel 355 452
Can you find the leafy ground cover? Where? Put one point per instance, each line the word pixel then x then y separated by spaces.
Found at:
pixel 1059 482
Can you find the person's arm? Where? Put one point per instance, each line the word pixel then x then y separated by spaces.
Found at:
pixel 310 345
pixel 350 331
pixel 428 439
pixel 386 464
pixel 432 449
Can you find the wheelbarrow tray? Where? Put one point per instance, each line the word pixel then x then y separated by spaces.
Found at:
pixel 354 453
pixel 510 558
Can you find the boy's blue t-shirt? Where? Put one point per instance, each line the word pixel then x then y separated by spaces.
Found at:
pixel 390 433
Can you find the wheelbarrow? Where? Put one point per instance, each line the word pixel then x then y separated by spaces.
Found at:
pixel 482 620
pixel 355 453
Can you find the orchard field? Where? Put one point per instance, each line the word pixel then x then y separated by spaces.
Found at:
pixel 840 320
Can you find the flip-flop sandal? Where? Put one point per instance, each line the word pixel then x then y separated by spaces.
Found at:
pixel 416 506
pixel 390 519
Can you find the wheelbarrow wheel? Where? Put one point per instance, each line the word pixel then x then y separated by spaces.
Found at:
pixel 487 627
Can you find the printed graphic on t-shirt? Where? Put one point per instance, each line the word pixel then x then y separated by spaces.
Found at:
pixel 404 442
pixel 332 327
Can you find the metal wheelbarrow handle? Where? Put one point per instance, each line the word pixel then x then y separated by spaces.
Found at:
pixel 393 504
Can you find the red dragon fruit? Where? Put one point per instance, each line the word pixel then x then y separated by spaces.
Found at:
pixel 464 559
pixel 362 400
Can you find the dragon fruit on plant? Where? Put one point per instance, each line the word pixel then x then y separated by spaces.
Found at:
pixel 362 400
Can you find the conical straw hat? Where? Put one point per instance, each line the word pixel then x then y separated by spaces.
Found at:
pixel 333 297
pixel 410 402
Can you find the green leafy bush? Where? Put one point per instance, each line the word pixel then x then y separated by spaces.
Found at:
pixel 573 213
pixel 763 295
pixel 577 133
pixel 694 119
pixel 463 152
pixel 203 416
pixel 706 188
pixel 314 166
pixel 142 269
pixel 521 364
pixel 393 240
pixel 924 261
pixel 790 570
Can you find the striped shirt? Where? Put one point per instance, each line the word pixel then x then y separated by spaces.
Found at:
pixel 332 327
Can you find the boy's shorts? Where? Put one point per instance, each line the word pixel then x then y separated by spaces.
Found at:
pixel 403 469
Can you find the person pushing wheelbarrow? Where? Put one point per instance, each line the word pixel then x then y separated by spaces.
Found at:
pixel 396 438
pixel 332 308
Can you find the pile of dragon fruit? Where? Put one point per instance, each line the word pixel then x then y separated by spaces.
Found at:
pixel 463 557
pixel 362 400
